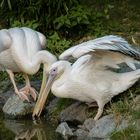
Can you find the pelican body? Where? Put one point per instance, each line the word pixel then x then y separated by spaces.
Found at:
pixel 90 78
pixel 21 51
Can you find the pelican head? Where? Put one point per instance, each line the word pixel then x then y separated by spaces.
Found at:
pixel 54 72
pixel 47 59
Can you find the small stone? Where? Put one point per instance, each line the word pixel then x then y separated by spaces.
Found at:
pixel 74 113
pixel 16 108
pixel 64 129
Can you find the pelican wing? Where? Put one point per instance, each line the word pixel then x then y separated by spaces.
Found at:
pixel 26 41
pixel 107 43
pixel 5 40
pixel 42 39
pixel 34 41
pixel 107 51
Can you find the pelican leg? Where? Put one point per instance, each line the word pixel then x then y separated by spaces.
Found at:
pixel 100 111
pixel 28 89
pixel 21 95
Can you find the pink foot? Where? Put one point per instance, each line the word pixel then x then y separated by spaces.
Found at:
pixel 27 90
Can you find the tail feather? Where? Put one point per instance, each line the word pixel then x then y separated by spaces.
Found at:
pixel 127 80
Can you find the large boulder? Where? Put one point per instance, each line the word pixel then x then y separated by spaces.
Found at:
pixel 16 108
pixel 75 113
pixel 105 126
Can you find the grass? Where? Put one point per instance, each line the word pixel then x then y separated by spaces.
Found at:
pixel 126 107
pixel 130 133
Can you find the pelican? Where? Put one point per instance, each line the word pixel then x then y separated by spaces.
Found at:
pixel 91 78
pixel 20 51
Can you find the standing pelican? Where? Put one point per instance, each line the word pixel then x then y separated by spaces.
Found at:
pixel 90 78
pixel 20 51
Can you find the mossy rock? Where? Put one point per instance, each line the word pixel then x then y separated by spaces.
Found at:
pixel 16 108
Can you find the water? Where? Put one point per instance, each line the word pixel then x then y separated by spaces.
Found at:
pixel 27 129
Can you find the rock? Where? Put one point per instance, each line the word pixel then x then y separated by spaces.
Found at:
pixel 75 113
pixel 80 134
pixel 4 97
pixel 64 130
pixel 6 90
pixel 4 94
pixel 122 125
pixel 16 108
pixel 105 126
pixel 88 124
pixel 50 108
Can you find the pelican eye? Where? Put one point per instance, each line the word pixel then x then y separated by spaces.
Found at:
pixel 53 71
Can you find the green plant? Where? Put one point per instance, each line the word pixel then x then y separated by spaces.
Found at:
pixel 44 12
pixel 57 45
pixel 31 24
pixel 76 16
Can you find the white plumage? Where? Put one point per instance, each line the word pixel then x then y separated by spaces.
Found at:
pixel 20 51
pixel 90 78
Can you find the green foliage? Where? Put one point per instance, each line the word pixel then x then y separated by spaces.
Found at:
pixel 69 17
pixel 3 75
pixel 44 12
pixel 135 114
pixel 31 24
pixel 76 16
pixel 57 45
pixel 121 107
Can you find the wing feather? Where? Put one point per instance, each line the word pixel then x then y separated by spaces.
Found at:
pixel 107 51
pixel 107 43
pixel 5 40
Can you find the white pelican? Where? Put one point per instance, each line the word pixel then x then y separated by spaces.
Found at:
pixel 90 78
pixel 20 51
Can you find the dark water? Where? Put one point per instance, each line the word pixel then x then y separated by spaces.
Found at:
pixel 27 129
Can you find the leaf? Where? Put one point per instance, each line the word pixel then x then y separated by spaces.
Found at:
pixel 1 4
pixel 9 4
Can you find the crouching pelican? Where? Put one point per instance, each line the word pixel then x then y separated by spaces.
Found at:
pixel 90 78
pixel 20 51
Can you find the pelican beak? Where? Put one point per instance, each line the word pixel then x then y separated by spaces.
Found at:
pixel 43 95
pixel 45 76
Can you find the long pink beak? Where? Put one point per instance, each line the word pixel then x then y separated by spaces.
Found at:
pixel 43 96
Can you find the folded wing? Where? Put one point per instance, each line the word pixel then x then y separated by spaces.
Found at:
pixel 5 40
